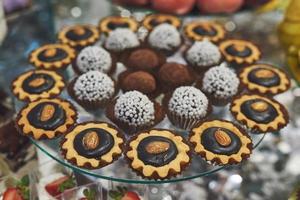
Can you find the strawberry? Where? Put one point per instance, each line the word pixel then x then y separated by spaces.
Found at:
pixel 129 195
pixel 123 194
pixel 60 185
pixel 12 194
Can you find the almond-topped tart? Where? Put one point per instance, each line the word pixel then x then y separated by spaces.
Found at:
pixel 79 36
pixel 239 52
pixel 199 30
pixel 154 20
pixel 92 145
pixel 259 113
pixel 52 56
pixel 265 79
pixel 158 154
pixel 36 84
pixel 111 23
pixel 221 142
pixel 46 118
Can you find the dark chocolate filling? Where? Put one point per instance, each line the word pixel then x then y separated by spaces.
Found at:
pixel 72 35
pixel 106 142
pixel 156 160
pixel 204 31
pixel 60 54
pixel 46 86
pixel 58 118
pixel 155 22
pixel 210 143
pixel 267 81
pixel 264 117
pixel 114 25
pixel 232 50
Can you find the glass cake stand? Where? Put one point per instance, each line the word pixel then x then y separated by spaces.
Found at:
pixel 261 31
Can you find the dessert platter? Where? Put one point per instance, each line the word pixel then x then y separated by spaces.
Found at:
pixel 183 101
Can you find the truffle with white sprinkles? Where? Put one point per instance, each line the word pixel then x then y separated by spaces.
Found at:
pixel 188 101
pixel 165 37
pixel 203 54
pixel 94 87
pixel 94 58
pixel 220 82
pixel 135 109
pixel 121 39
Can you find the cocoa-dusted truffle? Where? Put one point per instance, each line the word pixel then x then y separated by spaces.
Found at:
pixel 173 75
pixel 144 59
pixel 140 80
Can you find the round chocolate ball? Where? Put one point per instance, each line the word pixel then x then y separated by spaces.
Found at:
pixel 141 81
pixel 143 59
pixel 175 74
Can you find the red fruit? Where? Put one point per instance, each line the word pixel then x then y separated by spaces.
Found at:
pixel 130 196
pixel 179 7
pixel 53 187
pixel 12 194
pixel 219 6
pixel 133 2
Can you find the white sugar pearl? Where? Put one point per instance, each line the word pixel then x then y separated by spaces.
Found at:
pixel 135 105
pixel 187 101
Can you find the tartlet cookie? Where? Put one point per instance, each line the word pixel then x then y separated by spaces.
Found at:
pixel 265 79
pixel 52 56
pixel 221 142
pixel 259 113
pixel 79 36
pixel 199 30
pixel 92 145
pixel 111 23
pixel 37 84
pixel 239 52
pixel 153 20
pixel 46 118
pixel 158 154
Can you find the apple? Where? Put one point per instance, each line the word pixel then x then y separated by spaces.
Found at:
pixel 219 6
pixel 178 7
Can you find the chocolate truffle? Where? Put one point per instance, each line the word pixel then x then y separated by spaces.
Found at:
pixel 144 59
pixel 93 58
pixel 187 107
pixel 141 81
pixel 202 55
pixel 220 84
pixel 121 39
pixel 174 74
pixel 165 38
pixel 134 111
pixel 93 89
